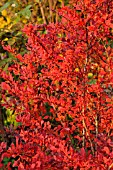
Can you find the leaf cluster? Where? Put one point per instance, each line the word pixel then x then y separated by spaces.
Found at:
pixel 61 92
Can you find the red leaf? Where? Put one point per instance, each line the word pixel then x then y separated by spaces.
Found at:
pixel 19 57
pixel 46 117
pixel 91 28
pixel 105 159
pixel 73 127
pixel 1 165
pixel 82 152
pixel 38 164
pixel 5 86
pixel 5 155
pixel 3 145
pixel 21 166
pixel 15 163
pixel 33 165
pixel 106 149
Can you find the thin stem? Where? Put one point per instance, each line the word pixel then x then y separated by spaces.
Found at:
pixel 56 15
pixel 50 10
pixel 54 5
pixel 96 124
pixel 42 12
pixel 87 133
pixel 83 135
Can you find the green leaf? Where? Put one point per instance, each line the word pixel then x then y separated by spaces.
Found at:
pixel 6 160
pixel 26 11
pixel 5 5
pixel 92 82
pixel 17 19
pixel 12 160
pixel 6 67
pixel 110 43
pixel 6 60
pixel 11 41
pixel 19 33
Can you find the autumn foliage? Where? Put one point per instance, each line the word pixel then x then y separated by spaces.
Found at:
pixel 62 93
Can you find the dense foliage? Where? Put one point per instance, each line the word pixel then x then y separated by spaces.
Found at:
pixel 61 93
pixel 14 14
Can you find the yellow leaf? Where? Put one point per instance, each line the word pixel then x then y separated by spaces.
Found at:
pixel 6 39
pixel 8 119
pixel 9 26
pixel 8 20
pixel 90 75
pixel 77 69
pixel 24 21
pixel 4 13
pixel 1 19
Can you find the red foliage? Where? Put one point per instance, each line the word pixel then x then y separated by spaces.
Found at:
pixel 66 116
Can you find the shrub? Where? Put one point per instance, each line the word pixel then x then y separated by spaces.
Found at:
pixel 65 114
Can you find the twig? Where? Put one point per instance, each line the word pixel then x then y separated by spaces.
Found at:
pixel 92 149
pixel 96 124
pixel 42 12
pixel 50 10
